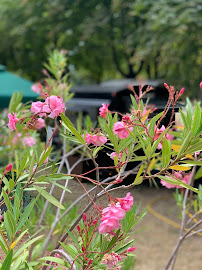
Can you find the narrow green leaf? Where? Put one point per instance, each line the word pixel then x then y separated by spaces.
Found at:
pixel 26 214
pixel 166 152
pixel 22 165
pixel 8 260
pixel 152 123
pixel 56 260
pixel 68 124
pixel 197 118
pixel 124 247
pixel 44 155
pixel 139 173
pixel 185 144
pixel 175 181
pixel 61 186
pixel 156 143
pixel 7 201
pixel 49 197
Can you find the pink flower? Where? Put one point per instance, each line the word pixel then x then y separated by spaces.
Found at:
pixel 201 85
pixel 121 130
pixel 103 110
pixel 108 224
pixel 97 140
pixel 37 108
pixel 54 105
pixel 184 178
pixel 127 202
pixel 111 259
pixel 37 87
pixel 12 121
pixel 40 123
pixel 28 141
pixel 119 156
pixel 114 210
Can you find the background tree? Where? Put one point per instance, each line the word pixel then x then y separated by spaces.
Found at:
pixel 105 39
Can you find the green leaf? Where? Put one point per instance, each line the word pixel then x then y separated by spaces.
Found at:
pixel 7 201
pixel 197 119
pixel 44 155
pixel 199 173
pixel 26 214
pixel 49 197
pixel 25 245
pixel 185 144
pixel 68 124
pixel 134 102
pixel 184 120
pixel 56 260
pixel 166 152
pixel 152 123
pixel 176 181
pixel 8 260
pixel 8 226
pixel 139 173
pixel 58 176
pixel 156 143
pixel 61 186
pixel 23 164
pixel 124 247
pixel 15 101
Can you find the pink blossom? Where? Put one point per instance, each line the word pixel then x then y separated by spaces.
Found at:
pixel 121 130
pixel 119 156
pixel 37 87
pixel 114 210
pixel 40 123
pixel 127 202
pixel 28 141
pixel 111 259
pixel 108 225
pixel 179 175
pixel 97 140
pixel 12 121
pixel 54 105
pixel 103 110
pixel 201 85
pixel 37 108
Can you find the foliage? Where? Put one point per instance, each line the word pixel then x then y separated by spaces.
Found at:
pixel 106 39
pixel 101 240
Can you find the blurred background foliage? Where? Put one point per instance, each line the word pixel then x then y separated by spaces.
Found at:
pixel 106 39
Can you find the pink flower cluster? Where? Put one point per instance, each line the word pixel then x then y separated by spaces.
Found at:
pixel 103 111
pixel 111 260
pixel 96 139
pixel 179 175
pixel 28 141
pixel 115 212
pixel 53 106
pixel 12 121
pixel 121 130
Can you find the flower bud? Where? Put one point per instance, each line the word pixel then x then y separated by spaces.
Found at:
pixel 130 249
pixel 201 85
pixel 78 228
pixel 166 86
pixel 84 217
pixel 181 91
pixel 90 262
pixel 94 222
pixel 8 168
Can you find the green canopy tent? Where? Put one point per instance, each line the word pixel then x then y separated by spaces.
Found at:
pixel 10 83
